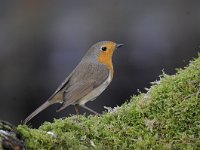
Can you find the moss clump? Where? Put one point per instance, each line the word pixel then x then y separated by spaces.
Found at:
pixel 166 117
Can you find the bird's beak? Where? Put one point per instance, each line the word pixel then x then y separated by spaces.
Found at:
pixel 119 45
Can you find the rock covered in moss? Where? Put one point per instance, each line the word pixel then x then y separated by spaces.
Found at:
pixel 166 117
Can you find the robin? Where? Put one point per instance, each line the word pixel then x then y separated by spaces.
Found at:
pixel 86 82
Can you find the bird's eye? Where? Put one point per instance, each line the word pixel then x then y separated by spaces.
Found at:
pixel 104 48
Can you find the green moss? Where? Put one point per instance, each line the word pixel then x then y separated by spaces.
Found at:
pixel 166 117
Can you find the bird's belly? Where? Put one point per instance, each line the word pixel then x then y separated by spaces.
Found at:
pixel 96 92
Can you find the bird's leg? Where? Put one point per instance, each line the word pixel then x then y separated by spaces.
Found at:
pixel 89 109
pixel 76 109
pixel 77 117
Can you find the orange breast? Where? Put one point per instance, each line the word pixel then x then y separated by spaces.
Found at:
pixel 105 57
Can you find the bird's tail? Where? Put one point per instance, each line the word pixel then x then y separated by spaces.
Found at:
pixel 38 110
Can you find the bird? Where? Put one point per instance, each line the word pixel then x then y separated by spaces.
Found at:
pixel 86 82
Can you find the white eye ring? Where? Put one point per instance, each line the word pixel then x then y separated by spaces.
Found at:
pixel 103 48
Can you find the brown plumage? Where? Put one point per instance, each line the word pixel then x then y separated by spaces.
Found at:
pixel 87 81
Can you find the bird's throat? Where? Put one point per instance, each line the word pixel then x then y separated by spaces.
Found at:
pixel 106 59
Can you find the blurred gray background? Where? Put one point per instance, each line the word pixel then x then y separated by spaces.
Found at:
pixel 42 41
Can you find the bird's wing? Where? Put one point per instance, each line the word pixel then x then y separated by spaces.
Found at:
pixel 75 93
pixel 60 87
pixel 81 84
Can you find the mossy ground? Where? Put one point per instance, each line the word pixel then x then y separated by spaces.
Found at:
pixel 166 117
